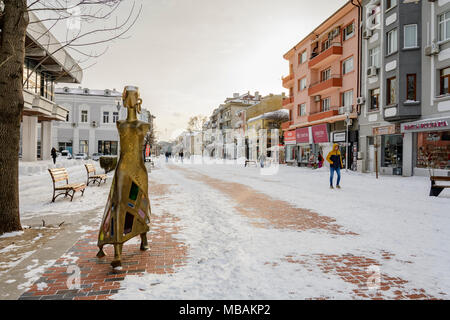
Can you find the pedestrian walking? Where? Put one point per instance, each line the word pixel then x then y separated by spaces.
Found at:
pixel 335 159
pixel 53 152
pixel 167 156
pixel 320 159
pixel 181 156
pixel 262 159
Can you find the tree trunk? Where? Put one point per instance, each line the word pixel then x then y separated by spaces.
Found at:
pixel 13 25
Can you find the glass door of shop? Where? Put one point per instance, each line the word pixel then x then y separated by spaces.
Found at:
pixel 392 152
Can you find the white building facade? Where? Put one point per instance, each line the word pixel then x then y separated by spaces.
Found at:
pixel 90 125
pixel 46 63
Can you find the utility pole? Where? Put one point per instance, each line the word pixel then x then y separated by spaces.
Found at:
pixel 347 122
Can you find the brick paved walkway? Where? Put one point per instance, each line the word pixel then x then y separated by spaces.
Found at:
pixel 98 280
pixel 167 254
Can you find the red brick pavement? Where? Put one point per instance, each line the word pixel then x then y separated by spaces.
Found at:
pixel 97 278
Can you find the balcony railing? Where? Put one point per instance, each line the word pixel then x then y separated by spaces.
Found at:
pixel 323 114
pixel 335 81
pixel 288 81
pixel 325 56
pixel 287 101
pixel 334 111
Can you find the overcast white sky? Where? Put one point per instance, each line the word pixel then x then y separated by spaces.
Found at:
pixel 187 56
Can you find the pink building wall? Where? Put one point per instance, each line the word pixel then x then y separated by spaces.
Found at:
pixel 343 17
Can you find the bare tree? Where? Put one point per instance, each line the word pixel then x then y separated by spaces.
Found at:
pixel 86 40
pixel 196 123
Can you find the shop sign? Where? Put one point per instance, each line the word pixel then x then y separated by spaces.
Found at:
pixel 426 125
pixel 391 129
pixel 302 135
pixel 339 137
pixel 289 137
pixel 320 133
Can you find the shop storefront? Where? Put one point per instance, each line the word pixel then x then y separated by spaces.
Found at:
pixel 430 145
pixel 351 154
pixel 290 146
pixel 390 142
pixel 303 141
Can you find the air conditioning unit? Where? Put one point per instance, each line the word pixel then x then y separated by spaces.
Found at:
pixel 360 100
pixel 432 49
pixel 372 71
pixel 317 98
pixel 367 33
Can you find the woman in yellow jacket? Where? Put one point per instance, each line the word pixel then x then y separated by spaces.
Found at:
pixel 335 159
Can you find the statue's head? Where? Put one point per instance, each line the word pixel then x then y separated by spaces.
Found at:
pixel 131 98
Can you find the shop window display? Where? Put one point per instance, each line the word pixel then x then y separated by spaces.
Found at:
pixel 392 150
pixel 433 150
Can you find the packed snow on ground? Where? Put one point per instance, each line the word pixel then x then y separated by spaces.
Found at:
pixel 36 190
pixel 231 259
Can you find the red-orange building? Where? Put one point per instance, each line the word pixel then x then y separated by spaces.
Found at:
pixel 323 87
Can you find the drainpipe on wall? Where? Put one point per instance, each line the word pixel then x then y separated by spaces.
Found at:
pixel 359 74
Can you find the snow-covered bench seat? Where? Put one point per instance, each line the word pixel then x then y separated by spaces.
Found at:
pixel 60 174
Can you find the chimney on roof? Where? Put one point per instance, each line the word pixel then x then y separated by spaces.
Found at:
pixel 257 95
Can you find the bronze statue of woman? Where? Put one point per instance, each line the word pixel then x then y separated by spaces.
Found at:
pixel 127 211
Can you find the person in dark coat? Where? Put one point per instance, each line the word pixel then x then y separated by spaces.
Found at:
pixel 181 155
pixel 335 159
pixel 54 155
pixel 320 159
pixel 167 156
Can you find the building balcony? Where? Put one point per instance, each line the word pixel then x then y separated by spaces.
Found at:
pixel 323 115
pixel 288 81
pixel 286 125
pixel 325 86
pixel 326 56
pixel 287 101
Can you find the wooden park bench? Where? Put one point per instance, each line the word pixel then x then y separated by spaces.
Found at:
pixel 437 189
pixel 60 174
pixel 95 178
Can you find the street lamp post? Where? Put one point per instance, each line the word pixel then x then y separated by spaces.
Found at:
pixel 347 122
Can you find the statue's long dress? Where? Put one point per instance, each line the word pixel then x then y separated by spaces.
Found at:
pixel 127 212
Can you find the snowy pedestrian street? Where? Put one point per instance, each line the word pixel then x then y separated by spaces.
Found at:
pixel 225 231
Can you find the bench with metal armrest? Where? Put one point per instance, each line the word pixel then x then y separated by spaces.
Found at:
pixel 94 177
pixel 60 174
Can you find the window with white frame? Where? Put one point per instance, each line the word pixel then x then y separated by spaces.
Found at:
pixel 410 36
pixel 84 116
pixel 105 117
pixel 347 98
pixel 302 109
pixel 374 57
pixel 444 26
pixel 374 17
pixel 347 65
pixel 115 117
pixel 392 41
pixel 302 57
pixel 325 74
pixel 390 4
pixel 349 31
pixel 302 84
pixel 326 104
